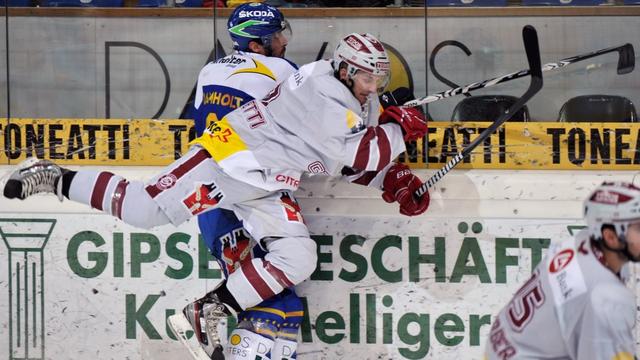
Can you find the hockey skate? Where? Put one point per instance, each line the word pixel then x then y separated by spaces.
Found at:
pixel 31 177
pixel 202 317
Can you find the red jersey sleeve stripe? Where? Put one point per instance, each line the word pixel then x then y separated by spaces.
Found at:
pixel 202 155
pixel 362 155
pixel 385 148
pixel 97 195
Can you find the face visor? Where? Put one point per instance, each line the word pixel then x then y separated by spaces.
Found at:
pixel 374 83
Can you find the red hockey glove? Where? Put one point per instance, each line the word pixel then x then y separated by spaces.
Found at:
pixel 412 121
pixel 399 185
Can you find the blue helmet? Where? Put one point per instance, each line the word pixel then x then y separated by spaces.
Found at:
pixel 254 22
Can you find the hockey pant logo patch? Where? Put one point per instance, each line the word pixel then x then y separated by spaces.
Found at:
pixel 316 167
pixel 167 181
pixel 205 197
pixel 236 247
pixel 291 208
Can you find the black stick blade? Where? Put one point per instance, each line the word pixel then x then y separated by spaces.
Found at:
pixel 627 59
pixel 532 48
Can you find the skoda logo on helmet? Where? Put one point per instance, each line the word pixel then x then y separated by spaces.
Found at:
pixel 256 13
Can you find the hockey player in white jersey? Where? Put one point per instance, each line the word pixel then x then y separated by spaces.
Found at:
pixel 321 120
pixel 260 36
pixel 575 305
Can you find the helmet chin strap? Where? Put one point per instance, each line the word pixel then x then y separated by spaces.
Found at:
pixel 365 108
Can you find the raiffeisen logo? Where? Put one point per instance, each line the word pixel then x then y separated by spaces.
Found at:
pixel 256 13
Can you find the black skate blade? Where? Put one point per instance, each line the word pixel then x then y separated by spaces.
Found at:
pixel 218 353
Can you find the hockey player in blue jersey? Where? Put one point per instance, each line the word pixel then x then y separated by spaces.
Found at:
pixel 260 35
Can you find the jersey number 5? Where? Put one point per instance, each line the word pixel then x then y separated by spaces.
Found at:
pixel 525 302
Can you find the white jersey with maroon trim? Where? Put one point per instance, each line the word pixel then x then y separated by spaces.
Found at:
pixel 573 307
pixel 309 123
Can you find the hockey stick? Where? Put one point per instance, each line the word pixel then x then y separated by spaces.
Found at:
pixel 626 63
pixel 530 38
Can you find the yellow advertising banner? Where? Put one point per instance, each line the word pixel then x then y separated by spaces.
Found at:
pixel 531 145
pixel 110 142
pixel 142 142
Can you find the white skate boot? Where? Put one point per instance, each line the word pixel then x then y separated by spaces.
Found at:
pixel 202 317
pixel 31 177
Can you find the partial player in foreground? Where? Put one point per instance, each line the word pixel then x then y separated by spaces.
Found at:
pixel 322 120
pixel 575 305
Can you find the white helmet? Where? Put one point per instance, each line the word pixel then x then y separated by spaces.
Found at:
pixel 612 203
pixel 361 52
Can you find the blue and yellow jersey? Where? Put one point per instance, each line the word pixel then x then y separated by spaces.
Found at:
pixel 228 83
pixel 223 86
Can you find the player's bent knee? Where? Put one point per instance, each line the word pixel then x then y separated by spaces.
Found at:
pixel 295 256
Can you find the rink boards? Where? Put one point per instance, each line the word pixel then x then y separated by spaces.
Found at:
pixel 78 283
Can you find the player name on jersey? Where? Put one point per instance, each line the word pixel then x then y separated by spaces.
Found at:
pixel 142 142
